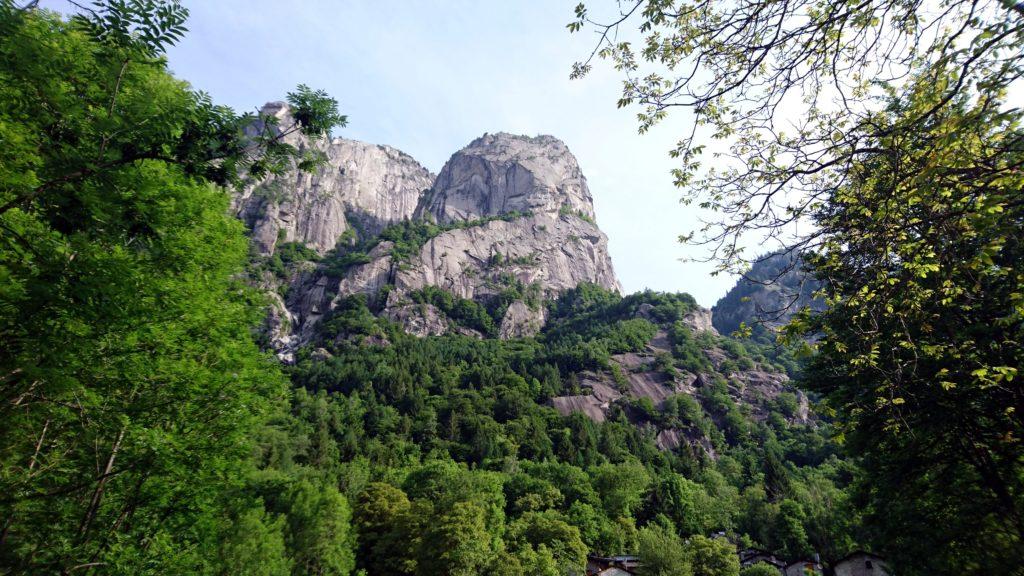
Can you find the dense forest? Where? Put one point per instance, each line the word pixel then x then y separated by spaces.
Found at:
pixel 470 419
pixel 145 430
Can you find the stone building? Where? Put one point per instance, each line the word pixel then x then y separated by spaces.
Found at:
pixel 751 556
pixel 803 568
pixel 861 563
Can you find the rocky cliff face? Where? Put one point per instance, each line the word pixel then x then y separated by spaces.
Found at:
pixel 773 290
pixel 501 173
pixel 506 211
pixel 555 252
pixel 363 187
pixel 641 377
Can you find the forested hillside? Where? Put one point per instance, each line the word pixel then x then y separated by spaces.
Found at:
pixel 458 432
pixel 145 433
pixel 235 344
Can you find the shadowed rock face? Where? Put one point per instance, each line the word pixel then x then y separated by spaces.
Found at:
pixel 775 288
pixel 366 186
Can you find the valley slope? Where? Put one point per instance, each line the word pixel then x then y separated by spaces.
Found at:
pixel 474 319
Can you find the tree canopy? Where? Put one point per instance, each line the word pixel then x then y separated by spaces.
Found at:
pixel 130 378
pixel 896 184
pixel 742 69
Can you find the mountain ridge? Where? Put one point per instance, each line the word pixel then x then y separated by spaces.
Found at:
pixel 766 297
pixel 502 243
pixel 361 186
pixel 506 214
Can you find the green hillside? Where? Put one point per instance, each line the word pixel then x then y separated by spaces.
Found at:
pixel 383 415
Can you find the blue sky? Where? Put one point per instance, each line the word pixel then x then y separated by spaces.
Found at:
pixel 429 77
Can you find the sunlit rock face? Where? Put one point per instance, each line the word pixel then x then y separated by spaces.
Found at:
pixel 518 209
pixel 521 321
pixel 557 252
pixel 503 173
pixel 362 187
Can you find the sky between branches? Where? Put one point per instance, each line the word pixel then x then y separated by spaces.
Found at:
pixel 429 77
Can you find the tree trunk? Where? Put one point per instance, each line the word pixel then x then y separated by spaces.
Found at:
pixel 97 494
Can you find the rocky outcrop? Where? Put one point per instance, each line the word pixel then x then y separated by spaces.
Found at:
pixel 514 210
pixel 643 379
pixel 520 321
pixel 600 387
pixel 370 277
pixel 362 187
pixel 278 327
pixel 700 320
pixel 531 224
pixel 673 439
pixel 557 252
pixel 753 387
pixel 636 375
pixel 418 319
pixel 502 173
pixel 589 406
pixel 773 290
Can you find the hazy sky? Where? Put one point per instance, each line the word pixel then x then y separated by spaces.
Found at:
pixel 429 77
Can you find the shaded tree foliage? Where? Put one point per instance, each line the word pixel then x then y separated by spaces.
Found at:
pixel 921 340
pixel 905 160
pixel 129 379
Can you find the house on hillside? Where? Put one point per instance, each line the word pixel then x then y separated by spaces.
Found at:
pixel 612 565
pixel 803 568
pixel 861 563
pixel 614 571
pixel 751 556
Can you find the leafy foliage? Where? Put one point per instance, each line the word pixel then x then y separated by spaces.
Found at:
pixel 286 255
pixel 920 346
pixel 315 111
pixel 147 26
pixel 131 383
pixel 466 313
pixel 735 66
pixel 760 569
pixel 418 425
pixel 906 162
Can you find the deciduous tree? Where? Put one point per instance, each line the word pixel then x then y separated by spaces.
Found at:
pixel 129 379
pixel 898 179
